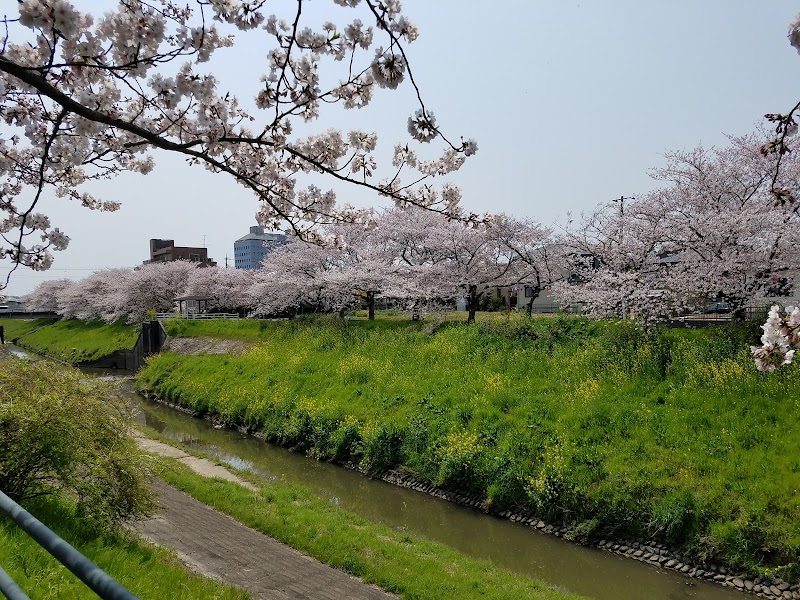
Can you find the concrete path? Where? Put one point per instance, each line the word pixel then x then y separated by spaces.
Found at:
pixel 218 546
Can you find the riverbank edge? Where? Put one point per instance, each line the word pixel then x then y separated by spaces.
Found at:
pixel 181 476
pixel 652 553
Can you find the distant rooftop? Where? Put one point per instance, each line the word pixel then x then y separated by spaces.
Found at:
pixel 257 233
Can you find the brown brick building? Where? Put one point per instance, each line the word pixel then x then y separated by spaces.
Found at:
pixel 167 251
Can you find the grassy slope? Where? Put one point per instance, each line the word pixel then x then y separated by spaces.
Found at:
pixel 76 341
pixel 145 570
pixel 673 435
pixel 408 566
pixel 14 328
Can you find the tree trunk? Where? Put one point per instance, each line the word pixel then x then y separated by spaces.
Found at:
pixel 536 292
pixel 371 305
pixel 738 308
pixel 472 303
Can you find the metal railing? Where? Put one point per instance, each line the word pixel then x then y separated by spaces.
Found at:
pixel 89 573
pixel 163 316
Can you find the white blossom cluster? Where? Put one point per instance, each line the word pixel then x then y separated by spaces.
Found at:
pixel 781 337
pixel 89 96
pixel 422 126
pixel 794 33
pixel 388 69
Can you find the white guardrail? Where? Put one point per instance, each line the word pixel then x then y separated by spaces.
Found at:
pixel 164 316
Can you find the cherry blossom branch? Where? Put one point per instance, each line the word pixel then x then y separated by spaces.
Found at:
pixel 108 74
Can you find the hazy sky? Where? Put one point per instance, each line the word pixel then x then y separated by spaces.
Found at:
pixel 571 104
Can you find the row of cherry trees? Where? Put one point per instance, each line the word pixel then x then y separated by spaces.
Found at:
pixel 413 256
pixel 130 294
pixel 409 255
pixel 711 230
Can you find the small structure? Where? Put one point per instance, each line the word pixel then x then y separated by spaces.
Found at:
pixel 192 305
pixel 11 304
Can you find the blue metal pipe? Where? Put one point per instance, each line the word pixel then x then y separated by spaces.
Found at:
pixel 93 576
pixel 9 587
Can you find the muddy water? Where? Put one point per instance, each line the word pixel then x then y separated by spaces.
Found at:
pixel 582 570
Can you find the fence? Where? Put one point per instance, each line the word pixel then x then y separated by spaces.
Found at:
pixel 748 313
pixel 163 316
pixel 89 573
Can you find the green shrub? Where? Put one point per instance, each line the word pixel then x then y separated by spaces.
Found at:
pixel 461 462
pixel 344 442
pixel 380 447
pixel 674 516
pixel 61 435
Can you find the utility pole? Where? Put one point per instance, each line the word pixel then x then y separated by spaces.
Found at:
pixel 621 201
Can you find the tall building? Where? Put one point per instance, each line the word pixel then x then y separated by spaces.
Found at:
pixel 249 250
pixel 167 251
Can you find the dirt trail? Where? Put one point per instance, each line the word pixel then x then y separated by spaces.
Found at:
pixel 206 345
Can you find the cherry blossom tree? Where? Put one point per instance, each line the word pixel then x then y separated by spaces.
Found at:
pixel 539 261
pixel 451 259
pixel 611 259
pixel 150 287
pixel 87 97
pixel 350 263
pixel 45 297
pixel 361 265
pixel 290 279
pixel 712 231
pixel 96 296
pixel 122 293
pixel 223 289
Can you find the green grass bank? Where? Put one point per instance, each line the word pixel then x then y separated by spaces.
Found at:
pixel 667 434
pixel 77 341
pixel 14 328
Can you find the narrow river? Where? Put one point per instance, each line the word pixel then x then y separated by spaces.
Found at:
pixel 521 549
